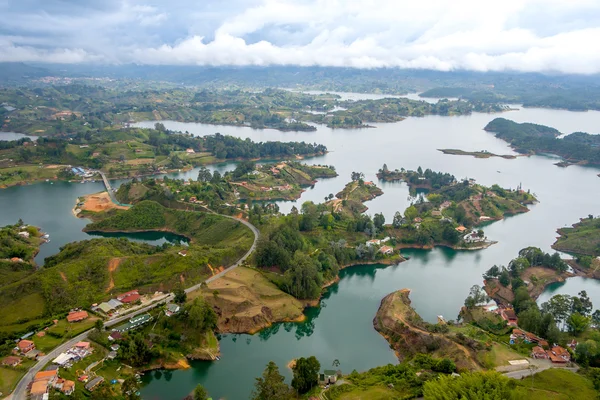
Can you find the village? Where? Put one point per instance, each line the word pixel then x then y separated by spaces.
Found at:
pixel 87 364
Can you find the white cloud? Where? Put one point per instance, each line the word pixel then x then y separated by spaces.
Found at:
pixel 433 34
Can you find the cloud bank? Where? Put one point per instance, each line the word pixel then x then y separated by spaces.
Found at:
pixel 488 35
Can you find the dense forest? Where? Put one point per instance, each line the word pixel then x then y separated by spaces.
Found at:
pixel 532 138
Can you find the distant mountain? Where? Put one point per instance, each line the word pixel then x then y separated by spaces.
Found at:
pixel 18 72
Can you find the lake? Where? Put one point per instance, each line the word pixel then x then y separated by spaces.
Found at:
pixel 6 136
pixel 439 279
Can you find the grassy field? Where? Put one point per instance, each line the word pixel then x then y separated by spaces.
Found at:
pixel 9 377
pixel 25 173
pixel 373 393
pixel 583 238
pixel 559 384
pixel 242 295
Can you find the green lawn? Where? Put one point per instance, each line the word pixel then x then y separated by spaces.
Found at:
pixel 560 384
pixel 9 377
pixel 26 307
pixel 373 393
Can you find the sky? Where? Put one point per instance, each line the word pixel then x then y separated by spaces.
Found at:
pixel 479 35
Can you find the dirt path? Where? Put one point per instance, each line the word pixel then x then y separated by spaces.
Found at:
pixel 63 276
pixel 113 264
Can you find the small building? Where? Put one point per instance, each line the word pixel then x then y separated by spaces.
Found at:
pixel 508 314
pixel 114 303
pixel 172 309
pixel 94 383
pixel 461 229
pixel 190 151
pixel 328 376
pixel 445 204
pixel 418 220
pixel 112 355
pixel 25 346
pixel 77 316
pixel 387 250
pixel 66 386
pixel 105 307
pixel 115 335
pixel 559 355
pixel 373 242
pixel 11 361
pixel 129 297
pixel 115 347
pixel 47 376
pixel 83 345
pixel 538 352
pixel 24 234
pixel 38 389
pixel 573 344
pixel 183 253
pixel 436 213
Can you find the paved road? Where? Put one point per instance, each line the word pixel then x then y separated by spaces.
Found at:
pixel 524 373
pixel 20 391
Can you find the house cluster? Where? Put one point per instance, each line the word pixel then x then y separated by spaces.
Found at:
pixel 379 242
pixel 44 380
pixel 557 354
pixel 108 307
pixel 85 173
pixel 472 237
pixel 76 353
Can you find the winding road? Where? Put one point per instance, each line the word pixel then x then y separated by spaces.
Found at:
pixel 20 392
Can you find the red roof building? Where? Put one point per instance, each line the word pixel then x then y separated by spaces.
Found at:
pixel 129 297
pixel 538 352
pixel 11 361
pixel 25 346
pixel 77 316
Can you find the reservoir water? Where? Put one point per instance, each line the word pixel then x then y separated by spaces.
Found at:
pixel 439 279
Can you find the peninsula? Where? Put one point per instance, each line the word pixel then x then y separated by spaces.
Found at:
pixel 527 138
pixel 476 154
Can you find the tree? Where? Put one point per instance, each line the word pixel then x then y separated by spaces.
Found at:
pixel 179 295
pixel 99 325
pixel 504 278
pixel 582 304
pixel 489 385
pixel 578 323
pixel 204 175
pixel 200 315
pixel 476 296
pixel 200 393
pixel 596 318
pixel 306 374
pixel 271 386
pixel 559 307
pixel 411 213
pixel 216 178
pixel 379 221
pixel 398 220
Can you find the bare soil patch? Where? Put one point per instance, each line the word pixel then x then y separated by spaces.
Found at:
pixel 99 202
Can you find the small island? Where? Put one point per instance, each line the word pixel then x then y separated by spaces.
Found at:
pixel 476 154
pixel 452 210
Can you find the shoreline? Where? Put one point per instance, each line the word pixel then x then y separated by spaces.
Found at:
pixel 165 172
